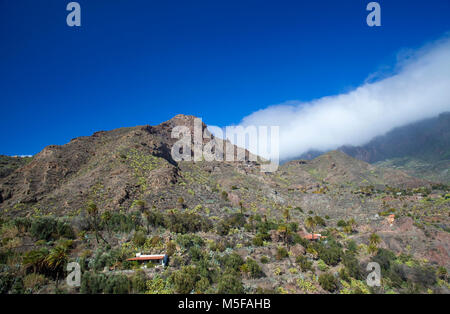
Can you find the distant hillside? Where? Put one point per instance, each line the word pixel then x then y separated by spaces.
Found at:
pixel 8 164
pixel 420 149
pixel 428 140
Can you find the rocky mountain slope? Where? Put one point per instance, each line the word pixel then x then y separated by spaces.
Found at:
pixel 9 164
pixel 421 149
pixel 121 193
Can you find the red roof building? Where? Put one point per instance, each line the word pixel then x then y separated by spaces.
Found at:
pixel 146 258
pixel 315 236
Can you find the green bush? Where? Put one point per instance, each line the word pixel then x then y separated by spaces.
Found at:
pixel 139 239
pixel 319 221
pixel 330 255
pixel 328 282
pixel 254 269
pixel 352 266
pixel 281 253
pixel 259 239
pixel 233 221
pixel 92 283
pixel 232 261
pixel 189 240
pixel 49 228
pixel 117 284
pixel 304 263
pixel 230 283
pixel 44 228
pixel 184 280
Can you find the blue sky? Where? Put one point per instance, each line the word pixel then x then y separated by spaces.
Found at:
pixel 142 62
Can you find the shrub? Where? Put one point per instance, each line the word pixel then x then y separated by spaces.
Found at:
pixel 64 229
pixel 319 221
pixel 117 284
pixel 196 253
pixel 330 255
pixel 259 239
pixel 254 269
pixel 328 282
pixel 188 240
pixel 171 248
pixel 224 195
pixel 139 239
pixel 44 228
pixel 92 283
pixel 48 228
pixel 23 224
pixel 202 285
pixel 138 282
pixel 232 261
pixel 233 221
pixel 281 253
pixel 264 259
pixel 304 263
pixel 184 280
pixel 442 273
pixel 384 258
pixel 352 247
pixel 187 223
pixel 6 282
pixel 230 283
pixel 352 266
pixel 322 266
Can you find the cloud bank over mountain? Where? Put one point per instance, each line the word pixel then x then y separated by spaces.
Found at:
pixel 419 89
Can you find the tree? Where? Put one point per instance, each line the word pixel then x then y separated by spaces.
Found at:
pixel 310 223
pixel 285 232
pixel 35 259
pixel 241 207
pixel 105 219
pixel 230 283
pixel 56 261
pixel 374 240
pixel 287 215
pixel 184 279
pixel 352 223
pixel 328 282
pixel 94 219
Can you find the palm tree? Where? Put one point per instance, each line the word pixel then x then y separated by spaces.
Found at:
pixel 352 223
pixel 35 259
pixel 146 214
pixel 56 261
pixel 310 223
pixel 105 218
pixel 242 208
pixel 287 215
pixel 374 239
pixel 92 211
pixel 284 230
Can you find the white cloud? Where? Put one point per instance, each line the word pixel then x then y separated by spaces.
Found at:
pixel 419 89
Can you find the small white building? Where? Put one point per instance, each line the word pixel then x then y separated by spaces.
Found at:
pixel 146 258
